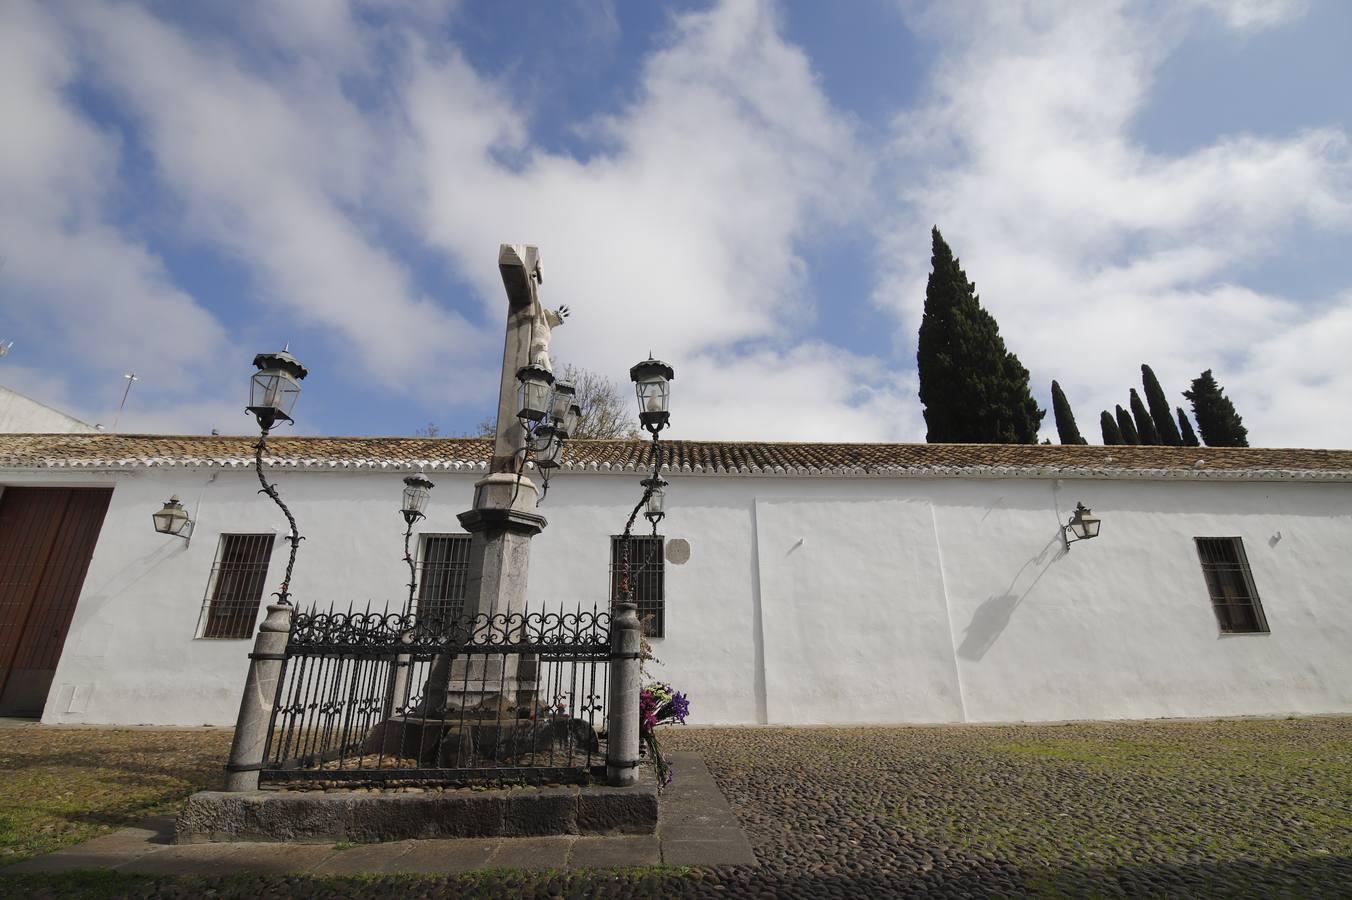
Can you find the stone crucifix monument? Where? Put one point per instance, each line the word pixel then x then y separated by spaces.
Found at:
pixel 503 518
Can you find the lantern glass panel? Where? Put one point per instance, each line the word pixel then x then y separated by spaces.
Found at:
pixel 550 456
pixel 571 419
pixel 540 439
pixel 1086 526
pixel 172 519
pixel 415 498
pixel 559 403
pixel 653 393
pixel 657 502
pixel 274 389
pixel 533 397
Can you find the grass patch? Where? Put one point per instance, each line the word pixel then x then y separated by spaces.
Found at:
pixel 62 786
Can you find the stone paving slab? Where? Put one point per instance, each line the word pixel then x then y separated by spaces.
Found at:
pixel 696 827
pixel 364 858
pixel 608 852
pixel 448 855
pixel 533 853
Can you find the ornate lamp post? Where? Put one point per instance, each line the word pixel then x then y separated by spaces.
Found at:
pixel 273 391
pixel 417 490
pixel 652 385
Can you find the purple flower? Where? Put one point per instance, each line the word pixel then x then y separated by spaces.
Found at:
pixel 679 706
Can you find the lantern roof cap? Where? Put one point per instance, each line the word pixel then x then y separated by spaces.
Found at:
pixel 563 387
pixel 418 480
pixel 527 371
pixel 283 360
pixel 652 366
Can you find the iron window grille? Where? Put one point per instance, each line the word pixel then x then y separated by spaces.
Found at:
pixel 443 569
pixel 1234 598
pixel 647 567
pixel 235 588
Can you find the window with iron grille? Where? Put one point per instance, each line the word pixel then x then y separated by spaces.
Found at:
pixel 1233 595
pixel 444 566
pixel 235 588
pixel 648 573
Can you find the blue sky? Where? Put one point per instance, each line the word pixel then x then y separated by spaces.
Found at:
pixel 743 188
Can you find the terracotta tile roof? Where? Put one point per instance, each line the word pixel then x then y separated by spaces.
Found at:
pixel 120 451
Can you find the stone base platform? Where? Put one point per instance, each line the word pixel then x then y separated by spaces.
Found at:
pixel 326 817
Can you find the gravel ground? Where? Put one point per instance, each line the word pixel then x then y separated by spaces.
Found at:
pixel 1232 808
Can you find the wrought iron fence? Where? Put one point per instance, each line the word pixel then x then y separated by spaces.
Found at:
pixel 385 697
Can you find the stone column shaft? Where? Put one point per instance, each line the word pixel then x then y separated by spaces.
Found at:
pixel 622 725
pixel 260 695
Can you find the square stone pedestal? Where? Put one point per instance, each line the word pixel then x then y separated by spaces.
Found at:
pixel 372 815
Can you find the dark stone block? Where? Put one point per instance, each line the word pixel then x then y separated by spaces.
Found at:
pixel 480 814
pixel 541 811
pixel 626 810
pixel 316 817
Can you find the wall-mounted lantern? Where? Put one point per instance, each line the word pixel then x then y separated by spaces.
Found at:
pixel 173 519
pixel 1083 525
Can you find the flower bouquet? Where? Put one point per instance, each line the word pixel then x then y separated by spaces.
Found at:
pixel 659 704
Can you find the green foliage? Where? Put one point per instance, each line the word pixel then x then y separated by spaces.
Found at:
pixel 1185 429
pixel 1112 435
pixel 1159 408
pixel 1216 418
pixel 972 388
pixel 1126 427
pixel 1145 426
pixel 1066 428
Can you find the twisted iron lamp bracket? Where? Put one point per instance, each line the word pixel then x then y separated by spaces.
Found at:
pixel 294 538
pixel 626 582
pixel 412 519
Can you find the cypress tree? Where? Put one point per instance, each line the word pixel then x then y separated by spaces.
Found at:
pixel 1112 435
pixel 1216 418
pixel 1066 429
pixel 1126 427
pixel 1185 428
pixel 1159 408
pixel 972 388
pixel 1145 426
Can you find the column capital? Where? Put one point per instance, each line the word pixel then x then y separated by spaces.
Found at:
pixel 490 520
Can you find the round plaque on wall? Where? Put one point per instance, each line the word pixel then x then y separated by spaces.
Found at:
pixel 678 551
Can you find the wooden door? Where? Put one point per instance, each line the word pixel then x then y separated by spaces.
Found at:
pixel 47 537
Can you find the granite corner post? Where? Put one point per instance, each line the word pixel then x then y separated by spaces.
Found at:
pixel 255 706
pixel 622 713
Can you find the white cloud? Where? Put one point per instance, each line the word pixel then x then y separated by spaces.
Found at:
pixel 278 171
pixel 71 279
pixel 813 392
pixel 681 236
pixel 1095 253
pixel 1254 14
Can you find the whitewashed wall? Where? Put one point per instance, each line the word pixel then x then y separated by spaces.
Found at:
pixel 805 600
pixel 23 415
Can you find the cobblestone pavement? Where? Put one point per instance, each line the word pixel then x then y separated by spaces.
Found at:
pixel 1251 808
